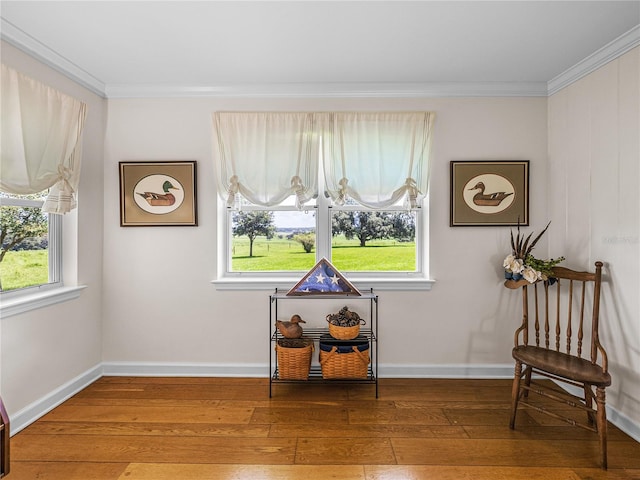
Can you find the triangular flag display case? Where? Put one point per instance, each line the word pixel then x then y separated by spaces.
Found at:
pixel 323 278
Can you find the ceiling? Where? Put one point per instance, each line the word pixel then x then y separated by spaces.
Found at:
pixel 140 48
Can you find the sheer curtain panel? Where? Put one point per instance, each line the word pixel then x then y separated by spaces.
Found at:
pixel 266 157
pixel 377 158
pixel 41 141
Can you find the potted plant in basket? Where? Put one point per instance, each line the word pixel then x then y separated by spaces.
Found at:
pixel 521 264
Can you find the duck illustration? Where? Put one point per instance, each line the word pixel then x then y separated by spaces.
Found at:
pixel 488 199
pixel 291 328
pixel 160 199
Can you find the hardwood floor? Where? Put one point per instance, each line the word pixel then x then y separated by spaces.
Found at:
pixel 123 428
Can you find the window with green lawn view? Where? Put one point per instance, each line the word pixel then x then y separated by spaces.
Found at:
pixel 29 253
pixel 345 186
pixel 352 238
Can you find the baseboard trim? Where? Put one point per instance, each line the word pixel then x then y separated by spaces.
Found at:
pixel 152 369
pixel 446 371
pixel 29 414
pixel 39 408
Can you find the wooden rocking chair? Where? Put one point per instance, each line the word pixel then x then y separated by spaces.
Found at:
pixel 567 310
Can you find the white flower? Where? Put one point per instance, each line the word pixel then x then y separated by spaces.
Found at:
pixel 531 275
pixel 508 260
pixel 513 264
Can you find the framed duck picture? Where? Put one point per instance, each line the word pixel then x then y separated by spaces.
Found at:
pixel 489 193
pixel 158 194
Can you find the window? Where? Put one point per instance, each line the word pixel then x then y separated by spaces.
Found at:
pixel 303 186
pixel 30 255
pixel 353 238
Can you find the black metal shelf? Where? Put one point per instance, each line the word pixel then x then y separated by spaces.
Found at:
pixel 369 332
pixel 315 376
pixel 317 333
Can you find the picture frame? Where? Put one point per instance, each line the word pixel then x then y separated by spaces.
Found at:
pixel 156 194
pixel 489 193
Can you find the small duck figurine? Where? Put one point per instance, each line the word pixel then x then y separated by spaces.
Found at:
pixel 165 199
pixel 291 328
pixel 488 199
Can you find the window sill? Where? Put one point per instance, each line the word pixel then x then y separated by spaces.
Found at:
pixel 26 303
pixel 284 284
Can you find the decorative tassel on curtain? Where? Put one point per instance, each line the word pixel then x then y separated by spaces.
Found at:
pixel 377 158
pixel 41 135
pixel 265 157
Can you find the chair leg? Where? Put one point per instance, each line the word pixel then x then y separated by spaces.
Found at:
pixel 527 381
pixel 601 422
pixel 588 401
pixel 515 394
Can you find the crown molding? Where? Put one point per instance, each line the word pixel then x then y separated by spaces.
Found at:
pixel 335 90
pixel 597 59
pixel 25 42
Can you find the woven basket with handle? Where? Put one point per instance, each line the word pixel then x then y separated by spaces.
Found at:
pixel 293 357
pixel 349 361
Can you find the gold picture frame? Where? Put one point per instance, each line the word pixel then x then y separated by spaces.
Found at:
pixel 158 194
pixel 489 193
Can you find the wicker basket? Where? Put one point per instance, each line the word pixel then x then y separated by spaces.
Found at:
pixel 293 357
pixel 344 333
pixel 344 361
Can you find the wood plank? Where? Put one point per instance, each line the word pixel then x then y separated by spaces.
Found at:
pixel 585 453
pixel 541 432
pixel 315 416
pixel 306 404
pixel 497 452
pixel 611 474
pixel 344 451
pixel 154 471
pixel 140 413
pixel 205 391
pixel 406 416
pixel 157 402
pixel 150 449
pixel 496 417
pixel 65 471
pixel 363 430
pixel 422 472
pixel 141 428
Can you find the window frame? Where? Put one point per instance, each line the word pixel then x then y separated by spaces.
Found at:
pixel 414 280
pixel 54 235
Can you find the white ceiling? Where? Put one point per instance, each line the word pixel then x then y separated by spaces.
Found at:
pixel 119 48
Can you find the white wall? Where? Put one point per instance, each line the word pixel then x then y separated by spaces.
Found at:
pixel 594 176
pixel 46 348
pixel 160 306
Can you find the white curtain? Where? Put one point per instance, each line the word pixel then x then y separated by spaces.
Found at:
pixel 377 158
pixel 266 157
pixel 40 142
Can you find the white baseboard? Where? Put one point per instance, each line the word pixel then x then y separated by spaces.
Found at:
pixel 152 369
pixel 39 408
pixel 446 371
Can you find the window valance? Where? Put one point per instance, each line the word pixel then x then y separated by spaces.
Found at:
pixel 41 135
pixel 374 158
pixel 377 158
pixel 266 157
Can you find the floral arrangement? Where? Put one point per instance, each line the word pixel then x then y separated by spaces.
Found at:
pixel 522 264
